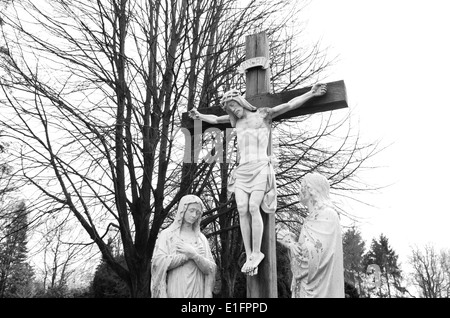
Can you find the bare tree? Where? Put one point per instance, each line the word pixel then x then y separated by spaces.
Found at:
pixel 59 262
pixel 445 265
pixel 431 271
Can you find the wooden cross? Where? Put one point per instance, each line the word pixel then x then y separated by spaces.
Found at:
pixel 264 284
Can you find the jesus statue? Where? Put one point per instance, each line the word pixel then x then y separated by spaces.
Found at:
pixel 253 180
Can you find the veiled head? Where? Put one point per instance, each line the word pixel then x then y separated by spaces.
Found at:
pixel 316 187
pixel 195 206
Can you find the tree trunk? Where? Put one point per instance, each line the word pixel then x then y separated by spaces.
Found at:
pixel 139 284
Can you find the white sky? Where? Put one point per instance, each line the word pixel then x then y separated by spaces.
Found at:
pixel 394 59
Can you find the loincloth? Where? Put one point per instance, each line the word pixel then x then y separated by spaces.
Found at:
pixel 256 176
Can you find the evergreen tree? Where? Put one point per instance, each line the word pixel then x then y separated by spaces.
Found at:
pixel 15 273
pixel 106 283
pixel 353 249
pixel 284 274
pixel 382 254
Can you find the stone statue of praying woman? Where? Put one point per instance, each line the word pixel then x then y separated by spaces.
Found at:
pixel 182 264
pixel 316 257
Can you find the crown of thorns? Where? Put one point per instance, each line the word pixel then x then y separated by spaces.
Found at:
pixel 229 96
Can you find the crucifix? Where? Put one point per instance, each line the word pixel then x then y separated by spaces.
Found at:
pixel 249 115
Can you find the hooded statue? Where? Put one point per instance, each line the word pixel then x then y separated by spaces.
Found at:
pixel 318 267
pixel 173 274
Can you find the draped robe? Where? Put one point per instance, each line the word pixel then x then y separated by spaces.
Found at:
pixel 318 272
pixel 173 275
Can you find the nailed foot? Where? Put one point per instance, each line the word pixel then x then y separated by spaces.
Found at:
pixel 251 266
pixel 246 267
pixel 257 258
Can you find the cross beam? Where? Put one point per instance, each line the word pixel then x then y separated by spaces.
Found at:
pixel 335 98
